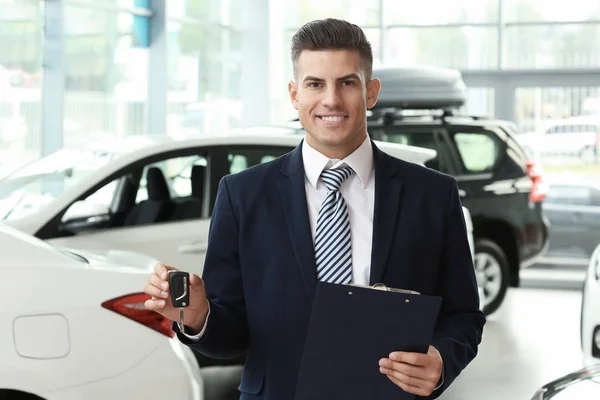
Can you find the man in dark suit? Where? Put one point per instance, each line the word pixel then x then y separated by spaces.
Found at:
pixel 336 209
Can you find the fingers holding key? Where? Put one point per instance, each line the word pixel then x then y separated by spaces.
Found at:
pixel 161 270
pixel 158 287
pixel 160 277
pixel 155 292
pixel 155 304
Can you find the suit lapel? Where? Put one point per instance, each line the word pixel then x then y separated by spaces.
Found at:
pixel 388 190
pixel 293 195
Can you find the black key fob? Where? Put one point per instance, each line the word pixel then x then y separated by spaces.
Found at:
pixel 179 288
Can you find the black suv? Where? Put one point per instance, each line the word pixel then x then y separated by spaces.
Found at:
pixel 499 184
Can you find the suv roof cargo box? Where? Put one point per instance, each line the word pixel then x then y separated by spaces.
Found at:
pixel 420 88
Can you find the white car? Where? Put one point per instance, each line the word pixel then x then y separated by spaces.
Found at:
pixel 576 136
pixel 155 200
pixel 590 312
pixel 73 326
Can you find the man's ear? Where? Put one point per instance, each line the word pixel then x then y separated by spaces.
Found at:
pixel 373 88
pixel 293 89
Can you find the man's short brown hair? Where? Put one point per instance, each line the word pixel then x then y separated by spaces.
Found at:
pixel 333 34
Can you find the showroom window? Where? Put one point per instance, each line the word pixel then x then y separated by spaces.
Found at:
pixel 538 107
pixel 453 47
pixel 106 77
pixel 21 38
pixel 363 13
pixel 204 67
pixel 435 12
pixel 552 46
pixel 480 101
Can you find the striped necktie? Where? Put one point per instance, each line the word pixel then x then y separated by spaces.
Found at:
pixel 333 250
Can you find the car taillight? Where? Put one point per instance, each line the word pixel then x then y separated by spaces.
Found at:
pixel 132 306
pixel 539 188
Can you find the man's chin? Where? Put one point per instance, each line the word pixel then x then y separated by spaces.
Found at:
pixel 329 139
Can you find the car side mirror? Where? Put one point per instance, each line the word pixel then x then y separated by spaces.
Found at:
pixel 83 215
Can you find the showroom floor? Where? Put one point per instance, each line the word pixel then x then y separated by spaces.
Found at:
pixel 531 340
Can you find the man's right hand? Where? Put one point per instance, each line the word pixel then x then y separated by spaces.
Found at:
pixel 158 287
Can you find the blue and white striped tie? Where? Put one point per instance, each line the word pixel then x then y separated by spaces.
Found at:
pixel 333 242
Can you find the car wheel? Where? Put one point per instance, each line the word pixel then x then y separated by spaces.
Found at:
pixel 491 271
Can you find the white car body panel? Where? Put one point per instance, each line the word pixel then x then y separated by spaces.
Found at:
pixel 180 243
pixel 58 342
pixel 590 318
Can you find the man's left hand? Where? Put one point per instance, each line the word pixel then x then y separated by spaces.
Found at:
pixel 414 372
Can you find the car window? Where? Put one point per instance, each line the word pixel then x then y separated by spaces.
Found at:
pixel 177 172
pixel 104 195
pixel 423 139
pixel 168 190
pixel 241 158
pixel 237 163
pixel 479 151
pixel 36 185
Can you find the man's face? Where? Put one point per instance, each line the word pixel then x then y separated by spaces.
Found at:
pixel 332 95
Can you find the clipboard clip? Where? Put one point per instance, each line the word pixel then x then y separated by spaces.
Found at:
pixel 381 286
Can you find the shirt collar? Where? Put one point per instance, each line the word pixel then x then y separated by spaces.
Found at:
pixel 361 161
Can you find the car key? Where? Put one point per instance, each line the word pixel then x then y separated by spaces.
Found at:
pixel 179 288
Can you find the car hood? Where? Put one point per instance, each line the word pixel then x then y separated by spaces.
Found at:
pixel 29 224
pixel 126 261
pixel 24 250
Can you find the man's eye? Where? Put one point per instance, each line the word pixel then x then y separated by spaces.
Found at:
pixel 348 83
pixel 314 84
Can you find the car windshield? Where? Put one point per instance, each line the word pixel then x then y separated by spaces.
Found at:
pixel 27 189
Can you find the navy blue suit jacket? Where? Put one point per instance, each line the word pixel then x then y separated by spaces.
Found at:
pixel 260 271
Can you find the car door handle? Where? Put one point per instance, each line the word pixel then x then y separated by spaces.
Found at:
pixel 193 247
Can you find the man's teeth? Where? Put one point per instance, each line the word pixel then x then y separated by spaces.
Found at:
pixel 332 119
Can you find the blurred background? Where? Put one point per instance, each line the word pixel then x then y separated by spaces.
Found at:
pixel 107 74
pixel 527 61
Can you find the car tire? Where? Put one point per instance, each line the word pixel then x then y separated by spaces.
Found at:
pixel 492 272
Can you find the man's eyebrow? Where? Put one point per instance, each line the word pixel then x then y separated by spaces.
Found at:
pixel 343 78
pixel 313 79
pixel 349 76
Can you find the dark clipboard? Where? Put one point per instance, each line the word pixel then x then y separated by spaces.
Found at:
pixel 350 330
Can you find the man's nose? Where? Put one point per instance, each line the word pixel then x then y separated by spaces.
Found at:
pixel 332 97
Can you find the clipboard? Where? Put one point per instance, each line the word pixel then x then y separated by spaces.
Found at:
pixel 351 329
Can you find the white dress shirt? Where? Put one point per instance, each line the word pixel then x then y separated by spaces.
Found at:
pixel 358 192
